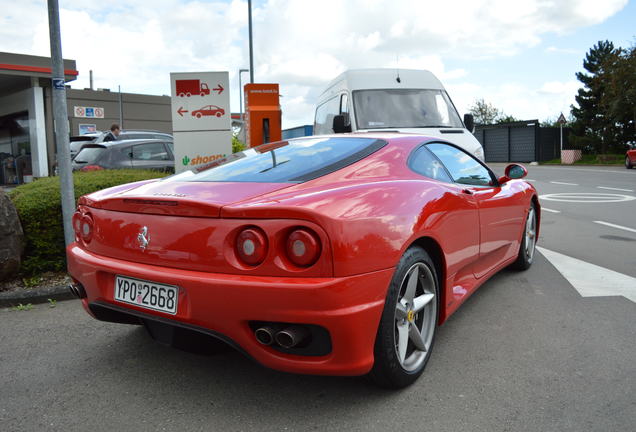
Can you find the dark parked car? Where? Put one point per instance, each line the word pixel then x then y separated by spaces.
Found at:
pixel 142 154
pixel 77 142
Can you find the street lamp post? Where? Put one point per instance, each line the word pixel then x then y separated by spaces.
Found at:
pixel 249 14
pixel 241 91
pixel 60 117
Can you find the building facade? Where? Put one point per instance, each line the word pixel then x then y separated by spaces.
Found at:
pixel 27 138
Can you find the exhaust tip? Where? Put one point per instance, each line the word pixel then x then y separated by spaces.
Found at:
pixel 264 335
pixel 291 336
pixel 77 290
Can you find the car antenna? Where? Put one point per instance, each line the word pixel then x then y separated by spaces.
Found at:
pixel 397 70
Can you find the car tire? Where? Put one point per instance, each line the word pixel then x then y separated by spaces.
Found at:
pixel 411 309
pixel 219 114
pixel 525 257
pixel 198 115
pixel 628 163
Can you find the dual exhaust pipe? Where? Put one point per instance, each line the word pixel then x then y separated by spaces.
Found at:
pixel 77 290
pixel 287 337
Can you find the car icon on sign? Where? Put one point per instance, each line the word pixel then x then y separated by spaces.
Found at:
pixel 208 110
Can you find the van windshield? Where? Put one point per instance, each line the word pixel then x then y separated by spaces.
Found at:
pixel 404 108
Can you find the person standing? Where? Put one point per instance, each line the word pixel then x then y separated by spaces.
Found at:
pixel 113 135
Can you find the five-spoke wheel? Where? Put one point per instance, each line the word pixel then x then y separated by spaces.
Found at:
pixel 407 328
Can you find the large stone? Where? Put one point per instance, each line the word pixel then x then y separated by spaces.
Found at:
pixel 11 238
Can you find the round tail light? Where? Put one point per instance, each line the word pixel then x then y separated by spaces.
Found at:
pixel 303 247
pixel 86 228
pixel 77 224
pixel 251 246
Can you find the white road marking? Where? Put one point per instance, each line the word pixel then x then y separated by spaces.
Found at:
pixel 550 210
pixel 613 171
pixel 616 226
pixel 616 189
pixel 591 280
pixel 564 183
pixel 594 198
pixel 530 180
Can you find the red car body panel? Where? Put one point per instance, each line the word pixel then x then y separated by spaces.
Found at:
pixel 631 154
pixel 366 215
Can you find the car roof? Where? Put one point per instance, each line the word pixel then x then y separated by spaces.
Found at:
pixel 140 131
pixel 370 79
pixel 123 143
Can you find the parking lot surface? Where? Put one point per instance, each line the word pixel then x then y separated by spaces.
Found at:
pixel 527 352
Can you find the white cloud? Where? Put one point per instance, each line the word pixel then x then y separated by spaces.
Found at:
pixel 300 44
pixel 519 100
pixel 557 50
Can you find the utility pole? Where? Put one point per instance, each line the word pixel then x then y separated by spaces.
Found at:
pixel 241 92
pixel 121 110
pixel 249 6
pixel 60 116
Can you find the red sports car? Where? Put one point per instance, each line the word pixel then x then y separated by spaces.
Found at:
pixel 336 255
pixel 630 158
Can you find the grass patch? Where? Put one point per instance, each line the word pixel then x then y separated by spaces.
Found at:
pixel 607 159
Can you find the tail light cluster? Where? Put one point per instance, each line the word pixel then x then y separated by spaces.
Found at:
pixel 301 246
pixel 83 226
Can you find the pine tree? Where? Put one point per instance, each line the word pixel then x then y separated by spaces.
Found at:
pixel 619 100
pixel 591 120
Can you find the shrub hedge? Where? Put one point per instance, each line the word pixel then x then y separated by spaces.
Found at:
pixel 38 205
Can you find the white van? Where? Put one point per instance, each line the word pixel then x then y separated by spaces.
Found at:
pixel 396 100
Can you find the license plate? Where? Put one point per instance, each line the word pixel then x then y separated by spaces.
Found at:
pixel 147 294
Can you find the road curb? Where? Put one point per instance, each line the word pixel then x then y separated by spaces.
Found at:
pixel 39 295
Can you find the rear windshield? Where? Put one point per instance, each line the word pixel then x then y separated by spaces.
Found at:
pixel 89 154
pixel 296 160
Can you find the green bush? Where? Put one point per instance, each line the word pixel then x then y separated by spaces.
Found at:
pixel 237 145
pixel 39 207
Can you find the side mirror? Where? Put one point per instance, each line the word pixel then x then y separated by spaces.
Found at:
pixel 341 123
pixel 513 172
pixel 469 122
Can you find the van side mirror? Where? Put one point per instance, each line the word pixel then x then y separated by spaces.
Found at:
pixel 341 123
pixel 469 122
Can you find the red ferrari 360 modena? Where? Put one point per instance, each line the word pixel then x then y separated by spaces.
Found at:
pixel 630 158
pixel 336 255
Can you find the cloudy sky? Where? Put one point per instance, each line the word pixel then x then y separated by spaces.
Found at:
pixel 519 55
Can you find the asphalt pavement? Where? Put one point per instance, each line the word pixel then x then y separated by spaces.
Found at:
pixel 525 353
pixel 576 200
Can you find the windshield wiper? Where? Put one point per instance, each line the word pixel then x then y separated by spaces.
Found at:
pixel 435 126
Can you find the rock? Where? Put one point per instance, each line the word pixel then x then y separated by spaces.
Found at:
pixel 11 238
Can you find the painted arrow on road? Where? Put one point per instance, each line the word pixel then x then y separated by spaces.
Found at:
pixel 218 89
pixel 591 280
pixel 181 111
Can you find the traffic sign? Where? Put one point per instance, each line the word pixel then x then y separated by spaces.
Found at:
pixel 58 83
pixel 562 119
pixel 88 112
pixel 201 117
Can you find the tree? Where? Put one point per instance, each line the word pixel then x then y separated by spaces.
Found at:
pixel 506 119
pixel 591 120
pixel 619 99
pixel 485 113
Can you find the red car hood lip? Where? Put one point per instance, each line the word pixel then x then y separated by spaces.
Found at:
pixel 203 199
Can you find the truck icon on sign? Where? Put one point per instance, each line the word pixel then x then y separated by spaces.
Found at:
pixel 187 88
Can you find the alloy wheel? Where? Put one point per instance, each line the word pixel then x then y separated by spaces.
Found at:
pixel 415 314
